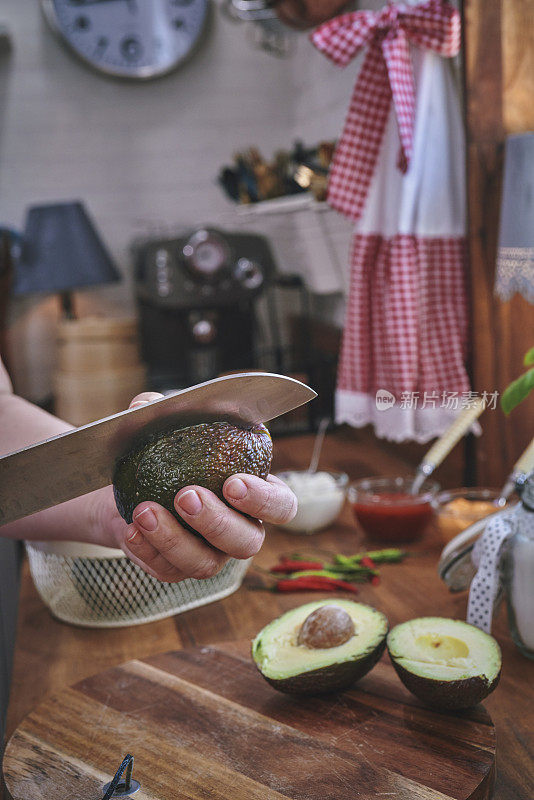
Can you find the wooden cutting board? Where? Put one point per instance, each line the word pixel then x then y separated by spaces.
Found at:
pixel 202 723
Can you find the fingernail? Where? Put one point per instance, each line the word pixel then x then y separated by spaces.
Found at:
pixel 134 537
pixel 190 502
pixel 236 489
pixel 146 519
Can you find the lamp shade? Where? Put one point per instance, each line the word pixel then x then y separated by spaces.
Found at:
pixel 61 251
pixel 515 257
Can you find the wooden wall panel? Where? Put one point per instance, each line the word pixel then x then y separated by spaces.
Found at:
pixel 499 83
pixel 517 28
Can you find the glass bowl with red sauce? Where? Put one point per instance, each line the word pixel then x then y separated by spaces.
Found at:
pixel 387 511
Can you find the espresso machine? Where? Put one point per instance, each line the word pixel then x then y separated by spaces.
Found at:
pixel 197 296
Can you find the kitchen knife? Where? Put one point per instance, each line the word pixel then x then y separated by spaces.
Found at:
pixel 81 460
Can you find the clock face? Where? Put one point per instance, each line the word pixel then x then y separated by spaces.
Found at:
pixel 129 38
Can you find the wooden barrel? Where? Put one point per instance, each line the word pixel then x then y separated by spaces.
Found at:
pixel 93 344
pixel 99 370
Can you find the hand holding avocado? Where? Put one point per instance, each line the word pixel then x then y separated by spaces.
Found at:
pixel 192 481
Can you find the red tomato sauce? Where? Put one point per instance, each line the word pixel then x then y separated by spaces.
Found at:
pixel 393 517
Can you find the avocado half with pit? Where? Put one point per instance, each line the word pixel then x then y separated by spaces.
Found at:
pixel 320 647
pixel 201 455
pixel 446 663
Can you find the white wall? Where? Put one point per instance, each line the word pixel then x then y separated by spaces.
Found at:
pixel 322 91
pixel 141 156
pixel 322 95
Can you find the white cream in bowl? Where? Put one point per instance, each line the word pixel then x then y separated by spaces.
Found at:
pixel 320 498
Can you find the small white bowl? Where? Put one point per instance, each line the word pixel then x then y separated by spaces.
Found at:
pixel 320 498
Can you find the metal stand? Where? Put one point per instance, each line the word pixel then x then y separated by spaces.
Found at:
pixel 125 788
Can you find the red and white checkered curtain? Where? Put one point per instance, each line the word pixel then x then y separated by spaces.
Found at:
pixel 398 172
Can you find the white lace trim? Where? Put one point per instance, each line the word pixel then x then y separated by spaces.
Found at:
pixel 515 273
pixel 395 423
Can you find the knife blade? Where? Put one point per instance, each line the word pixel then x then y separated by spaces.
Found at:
pixel 82 460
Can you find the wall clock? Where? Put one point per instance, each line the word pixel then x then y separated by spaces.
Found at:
pixel 129 38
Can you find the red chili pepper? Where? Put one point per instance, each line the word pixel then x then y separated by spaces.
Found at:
pixel 288 566
pixel 345 585
pixel 375 580
pixel 368 562
pixel 313 583
pixel 294 585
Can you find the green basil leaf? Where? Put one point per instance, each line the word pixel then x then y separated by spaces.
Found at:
pixel 517 391
pixel 529 357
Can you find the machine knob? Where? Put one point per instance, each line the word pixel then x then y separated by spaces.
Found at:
pixel 206 254
pixel 204 331
pixel 248 273
pixel 162 258
pixel 163 272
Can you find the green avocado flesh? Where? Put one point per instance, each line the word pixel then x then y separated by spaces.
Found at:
pixel 201 455
pixel 297 669
pixel 447 663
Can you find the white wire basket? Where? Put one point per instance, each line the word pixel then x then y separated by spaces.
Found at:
pixel 98 587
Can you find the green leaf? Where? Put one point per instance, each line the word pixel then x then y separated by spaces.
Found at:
pixel 517 391
pixel 529 357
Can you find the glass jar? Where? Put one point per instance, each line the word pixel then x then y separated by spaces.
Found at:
pixel 388 511
pixel 517 570
pixel 458 509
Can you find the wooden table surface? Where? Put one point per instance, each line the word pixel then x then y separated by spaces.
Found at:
pixel 50 655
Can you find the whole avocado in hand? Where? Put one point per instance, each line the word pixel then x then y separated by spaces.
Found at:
pixel 198 455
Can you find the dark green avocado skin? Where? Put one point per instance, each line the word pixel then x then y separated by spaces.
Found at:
pixel 202 455
pixel 446 695
pixel 333 678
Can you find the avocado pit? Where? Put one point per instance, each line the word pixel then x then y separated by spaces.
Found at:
pixel 320 647
pixel 327 626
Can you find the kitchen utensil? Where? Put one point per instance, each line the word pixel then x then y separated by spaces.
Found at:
pixel 523 465
pixel 202 722
pixel 318 445
pixel 443 446
pixel 82 460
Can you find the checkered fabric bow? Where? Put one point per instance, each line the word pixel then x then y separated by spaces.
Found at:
pixel 386 74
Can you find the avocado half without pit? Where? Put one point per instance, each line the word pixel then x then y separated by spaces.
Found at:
pixel 446 663
pixel 320 647
pixel 202 455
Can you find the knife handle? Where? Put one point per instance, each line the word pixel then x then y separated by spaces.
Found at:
pixel 525 462
pixel 522 467
pixel 452 436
